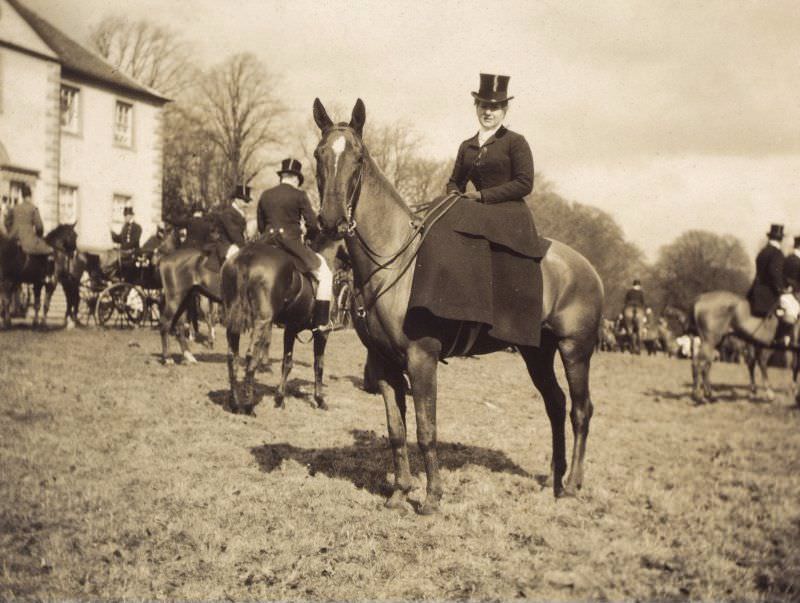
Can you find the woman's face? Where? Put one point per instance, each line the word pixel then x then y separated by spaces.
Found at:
pixel 490 115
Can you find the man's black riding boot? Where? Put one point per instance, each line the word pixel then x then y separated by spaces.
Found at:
pixel 322 314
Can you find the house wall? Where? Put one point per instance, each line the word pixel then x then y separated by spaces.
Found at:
pixel 100 168
pixel 29 112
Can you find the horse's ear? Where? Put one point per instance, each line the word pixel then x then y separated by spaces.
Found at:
pixel 321 116
pixel 358 117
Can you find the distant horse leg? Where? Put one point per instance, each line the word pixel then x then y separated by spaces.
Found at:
pixel 49 288
pixel 233 369
pixel 320 342
pixel 259 339
pixel 286 366
pixel 763 355
pixel 576 356
pixel 37 303
pixel 751 359
pixel 6 295
pixel 539 362
pixel 392 386
pixel 422 358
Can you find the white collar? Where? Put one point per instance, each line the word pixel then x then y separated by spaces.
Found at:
pixel 484 135
pixel 775 244
pixel 236 207
pixel 797 252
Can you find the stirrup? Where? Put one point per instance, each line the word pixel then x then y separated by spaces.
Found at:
pixel 326 328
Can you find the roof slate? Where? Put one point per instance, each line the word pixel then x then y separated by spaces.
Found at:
pixel 80 61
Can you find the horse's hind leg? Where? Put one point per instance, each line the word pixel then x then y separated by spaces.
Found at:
pixel 233 368
pixel 320 342
pixel 37 303
pixel 289 335
pixel 259 341
pixel 539 362
pixel 763 355
pixel 392 386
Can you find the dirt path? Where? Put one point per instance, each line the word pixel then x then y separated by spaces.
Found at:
pixel 125 479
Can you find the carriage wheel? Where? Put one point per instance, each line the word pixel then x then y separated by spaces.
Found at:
pixel 344 300
pixel 87 300
pixel 153 301
pixel 121 305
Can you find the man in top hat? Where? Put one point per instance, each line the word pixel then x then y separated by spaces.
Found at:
pixel 768 283
pixel 198 228
pixel 791 267
pixel 128 238
pixel 635 296
pixel 280 210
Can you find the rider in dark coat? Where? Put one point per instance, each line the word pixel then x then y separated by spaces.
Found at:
pixel 769 283
pixel 635 295
pixel 280 210
pixel 198 229
pixel 131 233
pixel 791 267
pixel 230 225
pixel 24 223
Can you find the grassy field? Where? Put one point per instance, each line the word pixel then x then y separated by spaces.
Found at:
pixel 122 478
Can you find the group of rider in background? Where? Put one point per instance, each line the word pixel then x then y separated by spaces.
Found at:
pixel 774 290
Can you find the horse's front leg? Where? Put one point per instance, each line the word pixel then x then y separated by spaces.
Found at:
pixel 49 288
pixel 422 359
pixel 392 386
pixel 320 341
pixel 289 335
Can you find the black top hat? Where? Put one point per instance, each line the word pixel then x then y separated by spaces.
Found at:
pixel 242 192
pixel 128 211
pixel 775 232
pixel 494 88
pixel 636 281
pixel 291 166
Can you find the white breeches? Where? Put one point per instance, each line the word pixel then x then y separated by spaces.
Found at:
pixel 232 251
pixel 324 277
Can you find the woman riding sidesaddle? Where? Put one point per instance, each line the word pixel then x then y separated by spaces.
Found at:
pixel 480 261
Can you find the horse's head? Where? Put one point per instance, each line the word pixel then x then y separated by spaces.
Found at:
pixel 64 238
pixel 340 157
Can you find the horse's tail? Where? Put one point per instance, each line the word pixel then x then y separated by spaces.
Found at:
pixel 241 312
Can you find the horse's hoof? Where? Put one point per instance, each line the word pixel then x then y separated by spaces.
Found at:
pixel 189 357
pixel 321 404
pixel 429 508
pixel 770 395
pixel 279 402
pixel 69 326
pixel 397 502
pixel 167 361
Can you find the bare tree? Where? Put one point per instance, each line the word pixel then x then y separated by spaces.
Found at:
pixel 150 53
pixel 241 112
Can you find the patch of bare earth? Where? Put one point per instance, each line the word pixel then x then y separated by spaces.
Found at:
pixel 122 478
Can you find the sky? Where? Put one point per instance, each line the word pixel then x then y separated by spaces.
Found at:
pixel 668 115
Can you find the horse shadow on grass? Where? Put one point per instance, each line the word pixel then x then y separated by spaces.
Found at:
pixel 365 462
pixel 221 397
pixel 721 392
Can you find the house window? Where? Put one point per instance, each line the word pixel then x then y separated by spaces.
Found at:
pixel 119 203
pixel 67 204
pixel 123 124
pixel 15 192
pixel 70 117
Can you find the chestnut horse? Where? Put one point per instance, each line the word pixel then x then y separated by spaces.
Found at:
pixel 262 286
pixel 357 200
pixel 718 313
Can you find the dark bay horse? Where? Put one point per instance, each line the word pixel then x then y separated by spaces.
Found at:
pixel 634 319
pixel 261 286
pixel 357 200
pixel 718 313
pixel 17 267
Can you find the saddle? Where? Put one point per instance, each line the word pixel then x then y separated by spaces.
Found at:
pixel 481 264
pixel 305 260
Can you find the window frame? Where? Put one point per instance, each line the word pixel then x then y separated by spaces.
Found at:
pixel 78 130
pixel 123 145
pixel 76 199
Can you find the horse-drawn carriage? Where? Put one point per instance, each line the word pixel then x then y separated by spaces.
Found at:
pixel 119 290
